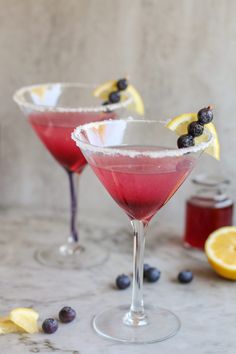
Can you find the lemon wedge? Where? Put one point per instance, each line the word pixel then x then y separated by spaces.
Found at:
pixel 39 91
pixel 25 318
pixel 180 126
pixel 220 249
pixel 137 104
pixel 103 90
pixel 107 87
pixel 7 326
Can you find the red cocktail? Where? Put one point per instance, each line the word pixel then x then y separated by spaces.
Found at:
pixel 54 130
pixel 139 166
pixel 139 186
pixel 54 110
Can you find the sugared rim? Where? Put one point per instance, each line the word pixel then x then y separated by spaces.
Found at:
pixel 134 153
pixel 19 98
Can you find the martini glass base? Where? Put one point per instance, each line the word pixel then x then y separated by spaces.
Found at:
pixel 161 325
pixel 72 257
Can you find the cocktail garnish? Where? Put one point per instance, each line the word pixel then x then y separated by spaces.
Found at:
pixel 196 128
pixel 205 115
pixel 122 84
pixel 114 97
pixel 114 91
pixel 185 141
pixel 190 128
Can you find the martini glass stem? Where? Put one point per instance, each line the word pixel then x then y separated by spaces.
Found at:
pixel 136 315
pixel 73 197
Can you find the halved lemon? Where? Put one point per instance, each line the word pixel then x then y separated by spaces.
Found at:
pixel 25 318
pixel 180 126
pixel 107 87
pixel 220 249
pixel 7 326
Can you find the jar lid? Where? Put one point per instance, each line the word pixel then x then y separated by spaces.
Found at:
pixel 210 181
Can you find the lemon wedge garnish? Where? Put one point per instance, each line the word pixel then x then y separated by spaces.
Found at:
pixel 25 318
pixel 180 126
pixel 7 326
pixel 137 104
pixel 220 249
pixel 106 88
pixel 39 91
pixel 103 90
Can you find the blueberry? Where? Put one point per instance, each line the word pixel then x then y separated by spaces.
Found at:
pixel 122 84
pixel 153 275
pixel 195 129
pixel 50 325
pixel 67 314
pixel 114 97
pixel 186 276
pixel 185 141
pixel 122 282
pixel 145 269
pixel 205 115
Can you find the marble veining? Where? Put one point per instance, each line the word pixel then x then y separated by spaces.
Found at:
pixel 206 307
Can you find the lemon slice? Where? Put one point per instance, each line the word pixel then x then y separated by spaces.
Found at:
pixel 220 249
pixel 106 88
pixel 7 326
pixel 180 126
pixel 25 318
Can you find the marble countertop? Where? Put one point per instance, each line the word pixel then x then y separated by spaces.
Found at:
pixel 206 307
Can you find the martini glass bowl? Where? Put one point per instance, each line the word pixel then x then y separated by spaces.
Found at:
pixel 53 111
pixel 139 165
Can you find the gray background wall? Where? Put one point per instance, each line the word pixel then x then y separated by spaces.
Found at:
pixel 180 54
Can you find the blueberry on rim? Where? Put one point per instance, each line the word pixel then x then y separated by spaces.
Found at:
pixel 205 115
pixel 122 84
pixel 185 141
pixel 114 97
pixel 195 129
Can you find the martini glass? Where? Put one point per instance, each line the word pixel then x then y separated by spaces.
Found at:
pixel 139 165
pixel 53 111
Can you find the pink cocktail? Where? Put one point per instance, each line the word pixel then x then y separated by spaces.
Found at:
pixel 141 168
pixel 138 186
pixel 54 110
pixel 54 130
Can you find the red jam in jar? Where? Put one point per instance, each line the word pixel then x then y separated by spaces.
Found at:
pixel 209 209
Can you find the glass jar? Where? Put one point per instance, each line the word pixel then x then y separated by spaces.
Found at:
pixel 209 209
